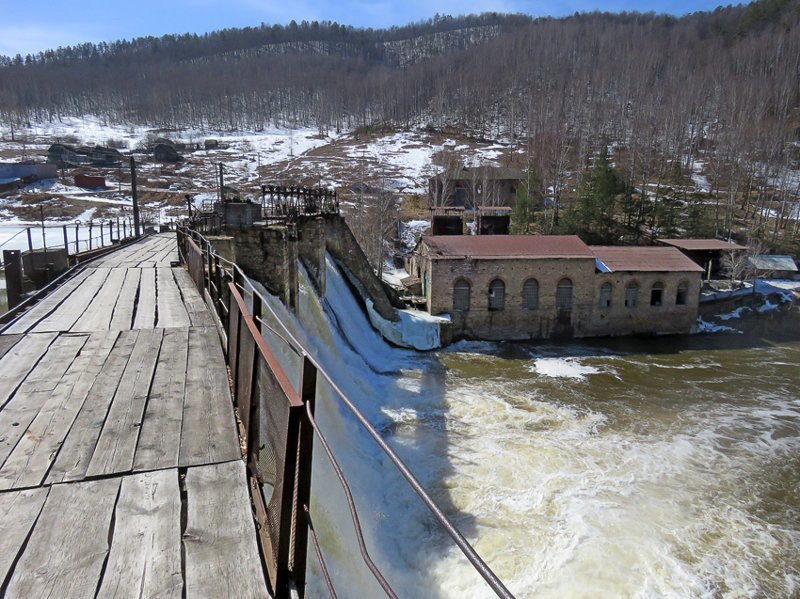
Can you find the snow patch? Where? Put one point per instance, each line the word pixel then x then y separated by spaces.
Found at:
pixel 415 329
pixel 710 327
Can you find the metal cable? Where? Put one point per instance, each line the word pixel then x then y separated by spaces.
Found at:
pixel 351 504
pixel 318 551
pixel 12 237
pixel 278 335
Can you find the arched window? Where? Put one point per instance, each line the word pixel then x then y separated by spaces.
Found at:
pixel 530 294
pixel 682 294
pixel 657 294
pixel 564 295
pixel 631 294
pixel 461 296
pixel 605 295
pixel 497 295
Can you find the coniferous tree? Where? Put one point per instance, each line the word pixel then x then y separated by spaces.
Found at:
pixel 594 215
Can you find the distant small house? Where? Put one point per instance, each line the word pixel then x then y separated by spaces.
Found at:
pixel 211 144
pixel 474 187
pixel 166 153
pixel 773 266
pixel 64 155
pixel 89 182
pixel 101 156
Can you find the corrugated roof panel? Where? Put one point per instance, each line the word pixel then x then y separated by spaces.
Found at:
pixel 508 246
pixel 773 262
pixel 642 259
pixel 702 244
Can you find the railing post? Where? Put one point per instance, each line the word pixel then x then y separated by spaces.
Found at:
pixel 30 239
pixel 66 239
pixel 91 224
pixel 12 259
pixel 218 298
pixel 305 447
pixel 207 264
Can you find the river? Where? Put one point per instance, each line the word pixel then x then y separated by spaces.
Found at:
pixel 659 467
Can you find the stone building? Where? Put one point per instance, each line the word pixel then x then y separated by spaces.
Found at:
pixel 536 287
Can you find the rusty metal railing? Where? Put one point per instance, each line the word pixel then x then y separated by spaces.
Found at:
pixel 279 426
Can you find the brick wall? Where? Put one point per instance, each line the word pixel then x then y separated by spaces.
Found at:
pixel 587 318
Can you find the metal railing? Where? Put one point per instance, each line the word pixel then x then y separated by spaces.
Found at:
pixel 279 425
pixel 75 238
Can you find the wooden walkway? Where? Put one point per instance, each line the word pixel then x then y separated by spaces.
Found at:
pixel 120 466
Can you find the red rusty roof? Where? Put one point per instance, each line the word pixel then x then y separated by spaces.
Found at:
pixel 702 244
pixel 636 258
pixel 508 246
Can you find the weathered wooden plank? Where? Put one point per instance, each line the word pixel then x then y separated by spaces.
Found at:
pixel 37 449
pixel 18 513
pixel 171 312
pixel 199 315
pixel 160 437
pixel 146 306
pixel 77 449
pixel 18 413
pixel 97 316
pixel 116 445
pixel 71 309
pixel 220 538
pixel 7 342
pixel 47 305
pixel 209 431
pixel 65 554
pixel 124 308
pixel 19 361
pixel 145 558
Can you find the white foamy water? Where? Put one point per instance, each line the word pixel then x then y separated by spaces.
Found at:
pixel 562 367
pixel 577 471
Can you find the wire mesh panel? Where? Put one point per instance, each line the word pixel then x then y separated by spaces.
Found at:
pixel 195 262
pixel 269 457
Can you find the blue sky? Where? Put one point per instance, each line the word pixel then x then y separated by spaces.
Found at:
pixel 34 25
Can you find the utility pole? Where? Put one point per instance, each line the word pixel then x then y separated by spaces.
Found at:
pixel 136 233
pixel 221 183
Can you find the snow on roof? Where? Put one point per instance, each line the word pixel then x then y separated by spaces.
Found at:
pixel 508 246
pixel 633 259
pixel 702 244
pixel 772 262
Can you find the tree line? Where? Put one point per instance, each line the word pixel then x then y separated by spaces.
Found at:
pixel 720 87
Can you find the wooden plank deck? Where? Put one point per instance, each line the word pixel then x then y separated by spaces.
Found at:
pixel 120 465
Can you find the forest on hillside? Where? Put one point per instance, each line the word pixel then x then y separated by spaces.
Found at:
pixel 659 92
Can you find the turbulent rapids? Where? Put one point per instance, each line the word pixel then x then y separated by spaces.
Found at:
pixel 659 467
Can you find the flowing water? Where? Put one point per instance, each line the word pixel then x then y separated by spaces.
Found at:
pixel 665 467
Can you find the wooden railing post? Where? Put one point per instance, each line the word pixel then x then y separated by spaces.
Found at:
pixel 308 393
